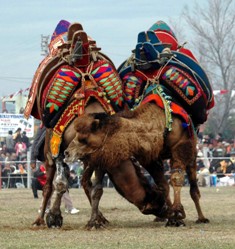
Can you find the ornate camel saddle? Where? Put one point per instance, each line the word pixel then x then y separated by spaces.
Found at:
pixel 74 72
pixel 160 95
pixel 159 59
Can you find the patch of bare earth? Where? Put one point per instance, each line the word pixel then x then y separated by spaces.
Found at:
pixel 128 228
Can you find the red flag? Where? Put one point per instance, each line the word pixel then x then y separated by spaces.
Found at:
pixel 223 91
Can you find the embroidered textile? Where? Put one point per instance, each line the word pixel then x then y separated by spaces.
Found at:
pixel 106 77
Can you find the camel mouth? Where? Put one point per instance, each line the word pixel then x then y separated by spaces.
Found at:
pixel 69 157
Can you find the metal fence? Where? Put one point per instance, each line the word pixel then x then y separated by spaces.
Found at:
pixel 17 180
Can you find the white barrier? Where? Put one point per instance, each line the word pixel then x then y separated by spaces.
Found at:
pixel 211 179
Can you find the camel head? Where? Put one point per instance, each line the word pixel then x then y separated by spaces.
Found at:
pixel 90 136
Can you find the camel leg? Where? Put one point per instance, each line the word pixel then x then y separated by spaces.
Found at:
pixel 195 193
pixel 94 191
pixel 177 210
pixel 132 185
pixel 54 217
pixel 86 180
pixel 47 192
pixel 97 219
pixel 156 170
pixel 182 155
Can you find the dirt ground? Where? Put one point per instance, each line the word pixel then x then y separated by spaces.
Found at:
pixel 128 228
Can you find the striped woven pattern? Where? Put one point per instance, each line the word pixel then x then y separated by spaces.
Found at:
pixel 106 77
pixel 65 81
pixel 131 84
pixel 181 81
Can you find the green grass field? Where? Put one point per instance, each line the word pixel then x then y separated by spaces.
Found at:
pixel 128 228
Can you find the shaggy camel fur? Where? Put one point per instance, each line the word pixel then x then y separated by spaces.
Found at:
pixel 111 140
pixel 54 217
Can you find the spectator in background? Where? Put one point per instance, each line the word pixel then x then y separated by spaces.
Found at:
pixel 39 179
pixel 210 152
pixel 73 180
pixel 7 169
pixel 25 139
pixel 4 149
pixel 2 157
pixel 205 152
pixel 13 157
pixel 10 144
pixel 37 149
pixel 219 137
pixel 215 163
pixel 225 172
pixel 20 149
pixel 17 135
pixel 203 174
pixel 21 169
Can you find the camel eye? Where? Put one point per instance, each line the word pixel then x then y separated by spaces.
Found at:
pixel 83 141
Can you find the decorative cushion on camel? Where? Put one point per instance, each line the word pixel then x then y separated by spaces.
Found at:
pixel 165 34
pixel 59 37
pixel 58 91
pixel 178 70
pixel 106 76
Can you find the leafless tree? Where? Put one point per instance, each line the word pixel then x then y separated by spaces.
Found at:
pixel 213 25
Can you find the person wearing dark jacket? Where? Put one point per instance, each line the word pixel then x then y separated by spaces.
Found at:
pixel 10 142
pixel 39 179
pixel 25 139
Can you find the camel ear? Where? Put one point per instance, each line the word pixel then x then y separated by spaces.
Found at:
pixel 95 125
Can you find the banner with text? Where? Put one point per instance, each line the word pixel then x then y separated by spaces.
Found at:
pixel 13 121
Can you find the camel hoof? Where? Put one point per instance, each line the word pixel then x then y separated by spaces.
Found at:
pixel 94 226
pixel 177 213
pixel 204 220
pixel 99 223
pixel 158 219
pixel 54 220
pixel 175 223
pixel 39 222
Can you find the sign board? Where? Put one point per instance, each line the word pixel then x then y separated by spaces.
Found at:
pixel 13 121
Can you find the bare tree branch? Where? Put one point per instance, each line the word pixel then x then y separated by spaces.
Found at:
pixel 214 27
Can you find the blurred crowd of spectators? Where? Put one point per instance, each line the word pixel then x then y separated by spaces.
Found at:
pixel 13 157
pixel 216 161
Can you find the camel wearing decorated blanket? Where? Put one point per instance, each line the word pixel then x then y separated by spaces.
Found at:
pixel 110 141
pixel 74 78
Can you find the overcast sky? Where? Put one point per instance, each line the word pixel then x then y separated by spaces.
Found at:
pixel 114 24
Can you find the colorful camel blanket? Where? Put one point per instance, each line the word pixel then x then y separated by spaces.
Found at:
pixel 65 81
pixel 68 79
pixel 70 91
pixel 59 37
pixel 159 95
pixel 158 58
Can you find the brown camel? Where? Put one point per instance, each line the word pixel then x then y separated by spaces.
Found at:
pixel 110 141
pixel 75 78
